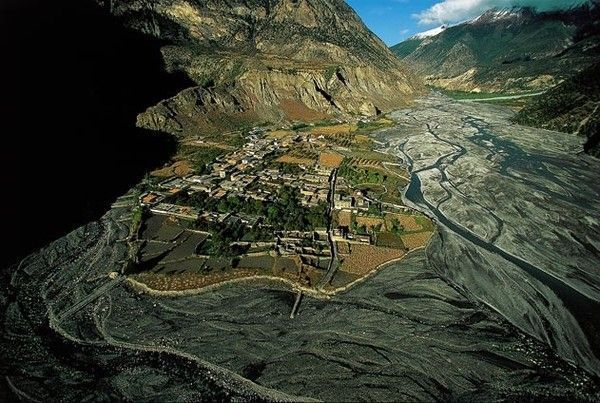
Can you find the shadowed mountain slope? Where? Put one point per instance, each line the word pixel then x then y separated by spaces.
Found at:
pixel 266 61
pixel 571 107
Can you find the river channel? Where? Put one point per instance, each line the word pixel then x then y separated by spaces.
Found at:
pixel 553 178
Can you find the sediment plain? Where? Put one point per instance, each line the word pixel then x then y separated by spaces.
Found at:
pixel 518 209
pixel 501 305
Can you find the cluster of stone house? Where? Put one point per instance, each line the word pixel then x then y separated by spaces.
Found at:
pixel 313 243
pixel 240 174
pixel 349 199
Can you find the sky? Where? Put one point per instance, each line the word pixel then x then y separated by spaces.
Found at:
pixel 396 20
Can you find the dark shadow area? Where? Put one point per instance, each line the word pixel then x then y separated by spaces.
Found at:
pixel 73 80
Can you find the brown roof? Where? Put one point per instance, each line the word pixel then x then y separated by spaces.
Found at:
pixel 149 198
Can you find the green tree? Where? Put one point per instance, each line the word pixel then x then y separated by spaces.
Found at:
pixel 397 227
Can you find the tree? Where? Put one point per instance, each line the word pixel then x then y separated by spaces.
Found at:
pixel 223 207
pixel 375 209
pixel 234 203
pixel 273 213
pixel 397 227
pixel 362 230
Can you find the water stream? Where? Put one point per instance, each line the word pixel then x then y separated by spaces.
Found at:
pixel 584 309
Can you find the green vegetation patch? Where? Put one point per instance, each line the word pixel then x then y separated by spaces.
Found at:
pixel 137 216
pixel 369 127
pixel 286 213
pixel 358 176
pixel 366 154
pixel 389 240
pixel 463 95
pixel 289 169
pixel 330 72
pixel 376 182
pixel 425 222
pixel 516 103
pixel 201 157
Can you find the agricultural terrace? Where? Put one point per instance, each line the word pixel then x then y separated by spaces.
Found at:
pixel 389 229
pixel 378 180
pixel 257 206
pixel 194 156
pixel 330 160
pixel 198 273
pixel 392 234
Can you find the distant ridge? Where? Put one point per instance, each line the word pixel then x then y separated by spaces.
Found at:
pixel 503 14
pixel 510 50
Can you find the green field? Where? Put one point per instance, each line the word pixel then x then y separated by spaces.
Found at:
pixel 462 95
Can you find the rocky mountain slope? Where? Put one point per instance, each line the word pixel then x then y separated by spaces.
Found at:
pixel 516 50
pixel 265 61
pixel 572 107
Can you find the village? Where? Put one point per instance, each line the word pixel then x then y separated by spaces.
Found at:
pixel 278 207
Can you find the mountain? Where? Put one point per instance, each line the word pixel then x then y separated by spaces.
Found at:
pixel 572 107
pixel 507 50
pixel 257 61
pixel 429 34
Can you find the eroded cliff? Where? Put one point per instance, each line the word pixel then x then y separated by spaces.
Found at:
pixel 266 61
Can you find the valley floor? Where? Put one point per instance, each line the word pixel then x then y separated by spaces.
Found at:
pixel 500 302
pixel 518 209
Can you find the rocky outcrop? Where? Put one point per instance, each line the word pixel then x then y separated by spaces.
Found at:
pixel 274 96
pixel 265 60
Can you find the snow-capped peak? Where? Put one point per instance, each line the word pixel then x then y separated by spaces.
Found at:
pixel 498 14
pixel 430 33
